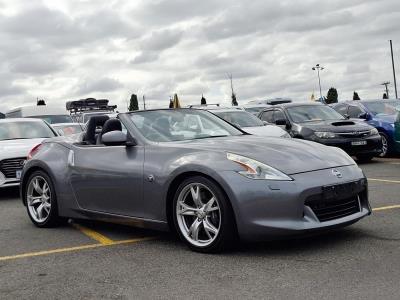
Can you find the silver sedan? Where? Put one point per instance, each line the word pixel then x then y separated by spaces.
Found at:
pixel 189 171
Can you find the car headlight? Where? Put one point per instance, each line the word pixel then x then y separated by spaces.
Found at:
pixel 257 170
pixel 325 134
pixel 373 131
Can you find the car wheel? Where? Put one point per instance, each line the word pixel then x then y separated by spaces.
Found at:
pixel 41 200
pixel 203 216
pixel 385 145
pixel 364 158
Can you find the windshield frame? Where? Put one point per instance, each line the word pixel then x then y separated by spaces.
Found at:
pixel 243 112
pixel 131 126
pixel 340 117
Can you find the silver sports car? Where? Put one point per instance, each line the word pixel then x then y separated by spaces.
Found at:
pixel 189 171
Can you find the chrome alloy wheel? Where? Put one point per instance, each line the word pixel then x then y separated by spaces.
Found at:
pixel 198 214
pixel 38 199
pixel 385 146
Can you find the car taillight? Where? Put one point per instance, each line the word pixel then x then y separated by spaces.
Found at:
pixel 33 151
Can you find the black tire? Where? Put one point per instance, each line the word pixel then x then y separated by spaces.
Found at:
pixel 364 158
pixel 389 146
pixel 53 219
pixel 227 235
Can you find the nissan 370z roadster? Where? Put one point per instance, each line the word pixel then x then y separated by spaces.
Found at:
pixel 189 171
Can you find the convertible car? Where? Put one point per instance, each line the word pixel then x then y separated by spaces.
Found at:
pixel 189 171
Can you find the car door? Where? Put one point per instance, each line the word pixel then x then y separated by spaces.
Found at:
pixel 108 178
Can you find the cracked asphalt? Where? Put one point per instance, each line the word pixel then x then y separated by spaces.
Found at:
pixel 359 262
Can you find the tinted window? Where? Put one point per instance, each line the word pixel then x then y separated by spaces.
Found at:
pixel 268 116
pixel 24 130
pixel 241 118
pixel 354 111
pixel 279 115
pixel 382 107
pixel 310 113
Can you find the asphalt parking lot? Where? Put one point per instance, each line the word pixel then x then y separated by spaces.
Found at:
pixel 87 260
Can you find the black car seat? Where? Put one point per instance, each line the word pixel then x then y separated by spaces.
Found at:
pixel 89 137
pixel 109 125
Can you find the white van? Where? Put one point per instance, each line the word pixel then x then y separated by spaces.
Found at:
pixel 51 114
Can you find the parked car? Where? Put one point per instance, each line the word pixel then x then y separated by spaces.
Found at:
pixel 17 138
pixel 208 181
pixel 250 123
pixel 397 131
pixel 51 114
pixel 378 113
pixel 68 128
pixel 320 123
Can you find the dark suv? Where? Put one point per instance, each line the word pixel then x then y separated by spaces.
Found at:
pixel 320 123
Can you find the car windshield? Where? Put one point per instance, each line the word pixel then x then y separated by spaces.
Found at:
pixel 382 107
pixel 240 118
pixel 54 119
pixel 254 109
pixel 180 125
pixel 24 130
pixel 310 113
pixel 68 129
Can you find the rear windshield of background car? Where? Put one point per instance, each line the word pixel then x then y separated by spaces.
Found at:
pixel 54 119
pixel 241 118
pixel 24 130
pixel 310 113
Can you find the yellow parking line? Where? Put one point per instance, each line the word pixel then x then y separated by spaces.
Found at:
pixel 71 249
pixel 386 207
pixel 93 234
pixel 384 180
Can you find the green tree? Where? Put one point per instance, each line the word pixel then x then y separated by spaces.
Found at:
pixel 171 103
pixel 355 96
pixel 203 100
pixel 234 101
pixel 40 102
pixel 133 103
pixel 332 96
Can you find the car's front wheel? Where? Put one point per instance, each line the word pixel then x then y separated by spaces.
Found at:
pixel 41 200
pixel 203 216
pixel 385 145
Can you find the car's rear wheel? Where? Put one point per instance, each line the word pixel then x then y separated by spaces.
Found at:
pixel 203 216
pixel 41 200
pixel 385 145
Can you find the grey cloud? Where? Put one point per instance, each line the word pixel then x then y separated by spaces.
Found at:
pixel 161 40
pixel 99 85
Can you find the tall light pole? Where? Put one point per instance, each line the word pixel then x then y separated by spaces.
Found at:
pixel 319 68
pixel 394 70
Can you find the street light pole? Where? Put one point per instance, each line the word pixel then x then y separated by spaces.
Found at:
pixel 394 70
pixel 319 68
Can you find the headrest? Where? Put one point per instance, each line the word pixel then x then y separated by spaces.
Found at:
pixel 111 125
pixel 95 121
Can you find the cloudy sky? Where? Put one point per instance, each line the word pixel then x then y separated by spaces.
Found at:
pixel 63 50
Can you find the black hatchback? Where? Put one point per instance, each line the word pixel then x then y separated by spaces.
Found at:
pixel 320 123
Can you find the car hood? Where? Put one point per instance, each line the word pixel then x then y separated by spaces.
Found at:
pixel 290 156
pixel 267 130
pixel 336 125
pixel 17 148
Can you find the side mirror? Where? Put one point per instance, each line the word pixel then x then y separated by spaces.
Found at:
pixel 281 122
pixel 365 116
pixel 114 138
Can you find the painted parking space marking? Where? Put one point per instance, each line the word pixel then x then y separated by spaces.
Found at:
pixel 386 207
pixel 93 234
pixel 72 249
pixel 384 180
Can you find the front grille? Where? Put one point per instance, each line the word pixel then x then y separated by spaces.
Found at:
pixel 354 134
pixel 9 167
pixel 327 211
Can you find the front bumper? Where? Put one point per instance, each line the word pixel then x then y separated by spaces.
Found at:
pixel 9 182
pixel 267 210
pixel 373 146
